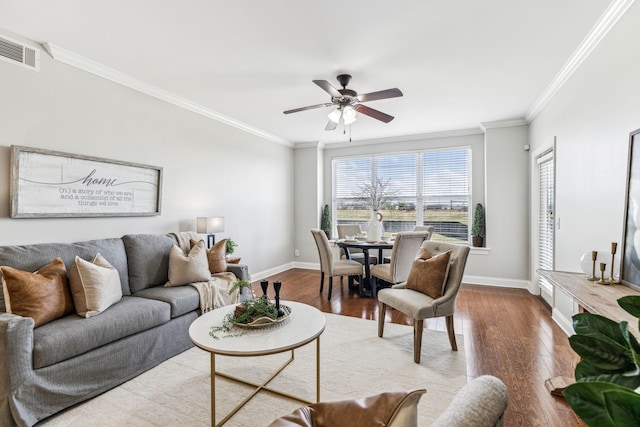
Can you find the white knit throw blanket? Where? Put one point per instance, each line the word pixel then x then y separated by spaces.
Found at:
pixel 215 292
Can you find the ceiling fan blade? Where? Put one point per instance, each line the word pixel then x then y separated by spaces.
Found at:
pixel 310 107
pixel 328 88
pixel 382 94
pixel 331 125
pixel 368 111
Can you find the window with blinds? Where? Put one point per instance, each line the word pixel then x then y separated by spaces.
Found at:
pixel 546 210
pixel 424 188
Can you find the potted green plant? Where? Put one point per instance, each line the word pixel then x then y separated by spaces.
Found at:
pixel 477 228
pixel 230 249
pixel 243 287
pixel 325 221
pixel 608 376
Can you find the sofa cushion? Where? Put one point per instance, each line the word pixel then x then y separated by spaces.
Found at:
pixel 95 285
pixel 182 299
pixel 188 268
pixel 44 295
pixel 72 335
pixel 32 257
pixel 148 259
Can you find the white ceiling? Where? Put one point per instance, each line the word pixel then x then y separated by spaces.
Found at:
pixel 458 63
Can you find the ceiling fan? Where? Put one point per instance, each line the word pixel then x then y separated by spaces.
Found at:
pixel 348 102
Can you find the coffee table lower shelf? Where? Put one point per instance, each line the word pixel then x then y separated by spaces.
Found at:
pixel 259 386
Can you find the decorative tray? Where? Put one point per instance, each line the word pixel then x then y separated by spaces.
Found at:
pixel 265 321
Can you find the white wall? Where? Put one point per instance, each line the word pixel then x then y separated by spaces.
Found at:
pixel 307 202
pixel 506 210
pixel 209 168
pixel 592 116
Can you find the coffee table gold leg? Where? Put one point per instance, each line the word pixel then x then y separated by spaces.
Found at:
pixel 318 369
pixel 213 389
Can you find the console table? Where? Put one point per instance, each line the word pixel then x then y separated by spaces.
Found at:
pixel 589 297
pixel 592 297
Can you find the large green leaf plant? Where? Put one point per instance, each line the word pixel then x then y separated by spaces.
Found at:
pixel 606 392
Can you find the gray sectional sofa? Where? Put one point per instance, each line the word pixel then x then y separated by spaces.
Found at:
pixel 72 359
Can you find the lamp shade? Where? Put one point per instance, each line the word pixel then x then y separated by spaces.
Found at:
pixel 349 115
pixel 334 116
pixel 212 224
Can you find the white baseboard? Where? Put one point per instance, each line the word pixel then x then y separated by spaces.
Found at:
pixel 565 324
pixel 496 281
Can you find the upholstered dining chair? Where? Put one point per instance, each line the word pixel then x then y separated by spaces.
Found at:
pixel 420 306
pixel 404 251
pixel 428 228
pixel 356 254
pixel 331 267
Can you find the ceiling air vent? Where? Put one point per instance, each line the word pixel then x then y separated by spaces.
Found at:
pixel 18 53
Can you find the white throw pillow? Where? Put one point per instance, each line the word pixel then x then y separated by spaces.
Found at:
pixel 188 268
pixel 95 285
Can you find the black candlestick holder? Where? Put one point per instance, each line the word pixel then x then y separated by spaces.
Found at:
pixel 277 285
pixel 264 284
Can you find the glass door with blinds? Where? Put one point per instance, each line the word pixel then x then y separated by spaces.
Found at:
pixel 546 212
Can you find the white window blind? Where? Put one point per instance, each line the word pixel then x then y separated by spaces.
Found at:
pixel 426 188
pixel 546 211
pixel 447 192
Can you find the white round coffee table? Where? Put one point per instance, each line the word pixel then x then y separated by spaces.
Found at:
pixel 304 324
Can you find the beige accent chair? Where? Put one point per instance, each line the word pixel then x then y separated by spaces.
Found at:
pixel 328 266
pixel 356 254
pixel 404 251
pixel 420 306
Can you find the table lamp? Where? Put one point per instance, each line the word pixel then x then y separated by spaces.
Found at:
pixel 209 226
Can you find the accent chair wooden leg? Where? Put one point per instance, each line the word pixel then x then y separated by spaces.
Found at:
pixel 382 311
pixel 330 287
pixel 417 339
pixel 321 281
pixel 452 334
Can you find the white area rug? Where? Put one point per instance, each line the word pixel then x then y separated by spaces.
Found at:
pixel 354 363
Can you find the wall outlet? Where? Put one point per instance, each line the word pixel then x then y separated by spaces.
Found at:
pixel 296 252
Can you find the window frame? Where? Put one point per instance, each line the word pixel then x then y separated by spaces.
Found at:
pixel 419 197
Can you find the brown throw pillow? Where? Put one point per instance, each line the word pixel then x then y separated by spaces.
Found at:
pixel 43 295
pixel 216 256
pixel 429 273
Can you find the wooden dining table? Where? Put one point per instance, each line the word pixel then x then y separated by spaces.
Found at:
pixel 366 247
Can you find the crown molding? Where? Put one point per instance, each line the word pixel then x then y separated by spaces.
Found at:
pixel 408 138
pixel 606 22
pixel 313 144
pixel 503 124
pixel 75 60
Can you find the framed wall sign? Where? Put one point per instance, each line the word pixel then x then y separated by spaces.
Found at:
pixel 630 268
pixel 51 184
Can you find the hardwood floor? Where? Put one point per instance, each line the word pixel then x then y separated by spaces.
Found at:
pixel 508 333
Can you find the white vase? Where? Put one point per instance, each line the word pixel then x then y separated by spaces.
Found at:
pixel 374 233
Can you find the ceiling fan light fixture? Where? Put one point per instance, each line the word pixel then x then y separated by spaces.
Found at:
pixel 349 115
pixel 334 116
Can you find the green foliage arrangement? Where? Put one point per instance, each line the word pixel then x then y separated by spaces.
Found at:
pixel 245 312
pixel 325 221
pixel 230 246
pixel 608 376
pixel 478 226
